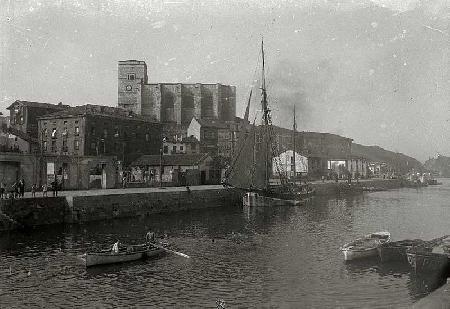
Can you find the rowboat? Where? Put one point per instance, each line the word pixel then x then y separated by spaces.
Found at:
pixel 396 250
pixel 431 256
pixel 366 246
pixel 125 254
pixel 254 199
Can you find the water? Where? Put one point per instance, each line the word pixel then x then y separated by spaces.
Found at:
pixel 265 258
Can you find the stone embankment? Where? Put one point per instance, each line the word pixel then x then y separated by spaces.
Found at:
pixel 438 299
pixel 84 206
pixel 93 205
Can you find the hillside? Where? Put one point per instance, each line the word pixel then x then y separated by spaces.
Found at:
pixel 439 165
pixel 399 161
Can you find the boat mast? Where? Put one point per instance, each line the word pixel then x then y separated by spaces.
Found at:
pixel 265 116
pixel 293 157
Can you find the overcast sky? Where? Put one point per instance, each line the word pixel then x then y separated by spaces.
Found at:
pixel 377 71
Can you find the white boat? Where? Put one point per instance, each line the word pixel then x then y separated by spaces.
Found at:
pixel 366 246
pixel 254 199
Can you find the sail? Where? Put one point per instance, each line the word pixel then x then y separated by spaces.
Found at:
pixel 248 163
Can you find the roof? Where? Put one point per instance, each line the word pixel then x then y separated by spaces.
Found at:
pixel 175 159
pixel 207 123
pixel 95 110
pixel 310 134
pixel 190 140
pixel 38 104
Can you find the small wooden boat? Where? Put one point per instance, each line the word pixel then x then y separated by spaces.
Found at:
pixel 125 254
pixel 254 199
pixel 366 246
pixel 431 257
pixel 396 250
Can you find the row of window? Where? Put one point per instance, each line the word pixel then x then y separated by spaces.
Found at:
pixel 76 146
pixel 65 132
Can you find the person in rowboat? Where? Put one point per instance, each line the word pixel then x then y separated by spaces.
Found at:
pixel 150 237
pixel 115 248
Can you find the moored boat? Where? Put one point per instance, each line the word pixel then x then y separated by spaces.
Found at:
pixel 366 246
pixel 125 254
pixel 254 199
pixel 396 250
pixel 431 257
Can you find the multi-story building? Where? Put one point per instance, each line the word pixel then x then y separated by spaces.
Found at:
pixel 172 103
pixel 93 130
pixel 216 137
pixel 23 122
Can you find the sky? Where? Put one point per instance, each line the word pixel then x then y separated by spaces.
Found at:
pixel 377 71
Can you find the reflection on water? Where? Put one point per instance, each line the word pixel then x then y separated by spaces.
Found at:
pixel 248 257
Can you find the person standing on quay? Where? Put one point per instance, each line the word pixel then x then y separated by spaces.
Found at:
pixel 22 188
pixel 2 190
pixel 33 190
pixel 44 190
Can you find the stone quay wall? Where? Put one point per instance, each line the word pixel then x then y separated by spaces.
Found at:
pixel 31 212
pixel 332 188
pixel 107 207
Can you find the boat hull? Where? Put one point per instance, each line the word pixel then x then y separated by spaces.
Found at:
pixel 103 258
pixel 428 262
pixel 350 255
pixel 252 199
pixel 396 251
pixel 365 247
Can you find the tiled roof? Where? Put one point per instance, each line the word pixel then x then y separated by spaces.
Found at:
pixel 175 159
pixel 96 110
pixel 213 123
pixel 38 104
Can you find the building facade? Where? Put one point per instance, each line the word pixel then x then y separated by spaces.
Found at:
pixel 174 103
pixel 93 130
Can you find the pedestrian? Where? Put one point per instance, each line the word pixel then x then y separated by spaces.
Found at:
pixel 33 190
pixel 22 187
pixel 14 190
pixel 44 190
pixel 2 190
pixel 124 181
pixel 55 188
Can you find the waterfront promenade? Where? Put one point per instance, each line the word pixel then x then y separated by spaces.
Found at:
pixel 97 192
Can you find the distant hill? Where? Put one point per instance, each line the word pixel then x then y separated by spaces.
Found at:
pixel 400 162
pixel 439 165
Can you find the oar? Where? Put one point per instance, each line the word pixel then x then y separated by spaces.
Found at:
pixel 171 251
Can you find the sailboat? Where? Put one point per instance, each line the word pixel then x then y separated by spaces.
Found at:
pixel 252 162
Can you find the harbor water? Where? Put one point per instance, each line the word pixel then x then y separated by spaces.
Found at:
pixel 280 257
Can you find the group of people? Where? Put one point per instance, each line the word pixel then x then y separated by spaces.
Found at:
pixel 17 189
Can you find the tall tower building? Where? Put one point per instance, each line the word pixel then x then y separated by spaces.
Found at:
pixel 132 75
pixel 173 103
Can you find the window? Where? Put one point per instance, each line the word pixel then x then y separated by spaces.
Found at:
pixel 131 76
pixel 93 146
pixel 116 132
pixel 65 122
pixel 76 145
pixel 105 133
pixel 53 146
pixel 77 131
pixel 166 149
pixel 92 130
pixel 147 137
pixel 174 149
pixel 64 145
pixel 181 148
pixel 76 121
pixel 64 133
pixel 45 146
pixel 54 133
pixel 45 132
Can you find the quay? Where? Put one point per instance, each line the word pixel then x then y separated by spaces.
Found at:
pixel 74 207
pixel 438 299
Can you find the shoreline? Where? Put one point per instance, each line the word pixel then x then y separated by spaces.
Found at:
pixel 74 207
